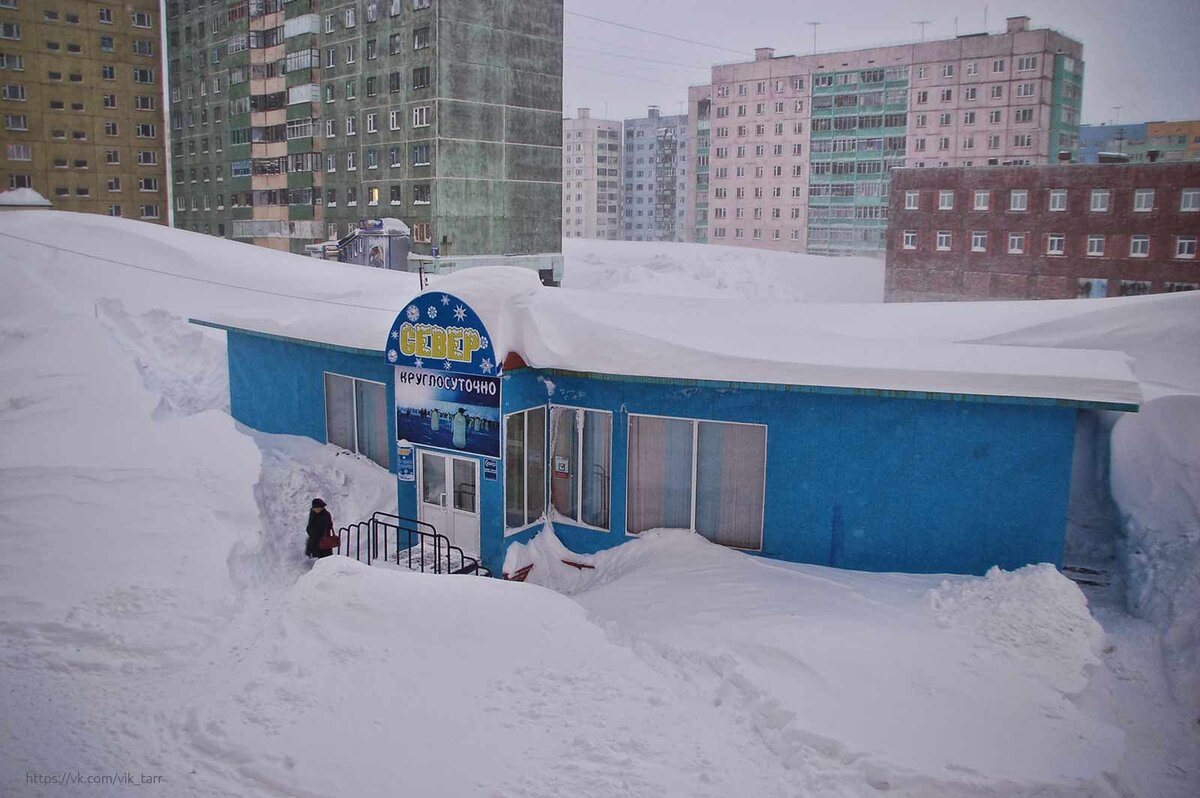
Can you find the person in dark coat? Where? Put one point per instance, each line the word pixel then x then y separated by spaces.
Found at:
pixel 320 524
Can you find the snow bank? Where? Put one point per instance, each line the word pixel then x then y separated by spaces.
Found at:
pixel 1156 484
pixel 919 681
pixel 23 197
pixel 1032 614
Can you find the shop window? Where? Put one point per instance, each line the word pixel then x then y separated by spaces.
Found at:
pixel 705 476
pixel 580 473
pixel 524 467
pixel 356 416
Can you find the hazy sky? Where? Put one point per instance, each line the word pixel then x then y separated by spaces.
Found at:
pixel 1143 55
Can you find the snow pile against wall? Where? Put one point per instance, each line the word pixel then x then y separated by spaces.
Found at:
pixel 1031 614
pixel 1156 483
pixel 919 681
pixel 712 270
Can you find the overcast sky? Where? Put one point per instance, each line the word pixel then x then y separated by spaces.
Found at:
pixel 1143 55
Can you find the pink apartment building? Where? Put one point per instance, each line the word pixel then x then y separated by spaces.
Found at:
pixel 794 152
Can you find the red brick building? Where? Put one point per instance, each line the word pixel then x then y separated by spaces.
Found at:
pixel 1043 232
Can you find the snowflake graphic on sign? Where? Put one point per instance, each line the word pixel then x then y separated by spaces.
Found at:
pixel 460 313
pixel 413 313
pixel 393 355
pixel 485 366
pixel 432 311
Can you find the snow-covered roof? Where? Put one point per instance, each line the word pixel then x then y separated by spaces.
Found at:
pixel 23 197
pixel 730 340
pixel 870 347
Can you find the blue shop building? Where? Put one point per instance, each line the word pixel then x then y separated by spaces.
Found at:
pixel 500 404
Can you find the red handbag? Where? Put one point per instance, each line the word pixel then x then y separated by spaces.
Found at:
pixel 329 542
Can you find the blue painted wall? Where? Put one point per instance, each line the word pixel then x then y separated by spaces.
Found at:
pixel 872 483
pixel 279 386
pixel 881 484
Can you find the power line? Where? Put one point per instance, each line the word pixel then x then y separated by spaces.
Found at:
pixel 655 33
pixel 196 279
pixel 635 57
pixel 623 75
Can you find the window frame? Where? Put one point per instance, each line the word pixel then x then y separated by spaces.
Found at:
pixel 578 454
pixel 1180 241
pixel 354 412
pixel 696 422
pixel 525 524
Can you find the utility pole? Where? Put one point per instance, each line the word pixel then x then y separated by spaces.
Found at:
pixel 922 23
pixel 814 26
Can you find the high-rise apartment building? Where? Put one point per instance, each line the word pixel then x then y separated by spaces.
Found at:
pixel 655 170
pixel 295 119
pixel 801 146
pixel 1141 142
pixel 81 94
pixel 591 177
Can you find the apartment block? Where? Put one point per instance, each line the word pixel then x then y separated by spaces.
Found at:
pixel 1043 232
pixel 1141 142
pixel 591 177
pixel 802 146
pixel 81 94
pixel 655 168
pixel 296 119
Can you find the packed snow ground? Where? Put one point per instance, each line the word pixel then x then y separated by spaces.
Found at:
pixel 157 617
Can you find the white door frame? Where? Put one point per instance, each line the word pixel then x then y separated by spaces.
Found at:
pixel 461 527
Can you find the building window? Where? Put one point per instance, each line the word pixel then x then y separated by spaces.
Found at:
pixel 18 152
pixel 1185 247
pixel 1095 245
pixel 420 155
pixel 1056 244
pixel 945 200
pixel 1135 287
pixel 1027 63
pixel 1100 200
pixel 356 416
pixel 524 467
pixel 421 78
pixel 1189 199
pixel 1022 140
pixel 979 241
pixel 581 454
pixel 910 239
pixel 420 116
pixel 420 38
pixel 1016 243
pixel 148 211
pixel 912 200
pixel 943 240
pixel 982 200
pixel 1143 200
pixel 1018 199
pixel 1058 199
pixel 141 19
pixel 1139 246
pixel 700 475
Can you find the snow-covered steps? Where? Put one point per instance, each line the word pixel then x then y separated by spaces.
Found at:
pixel 408 544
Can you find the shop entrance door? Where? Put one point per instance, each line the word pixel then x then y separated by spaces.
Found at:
pixel 450 498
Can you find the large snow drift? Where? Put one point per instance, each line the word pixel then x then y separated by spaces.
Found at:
pixel 156 617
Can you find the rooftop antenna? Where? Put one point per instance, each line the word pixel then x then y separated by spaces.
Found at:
pixel 956 26
pixel 1117 114
pixel 814 26
pixel 985 17
pixel 922 23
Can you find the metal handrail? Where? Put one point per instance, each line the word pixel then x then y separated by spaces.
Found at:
pixel 425 534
